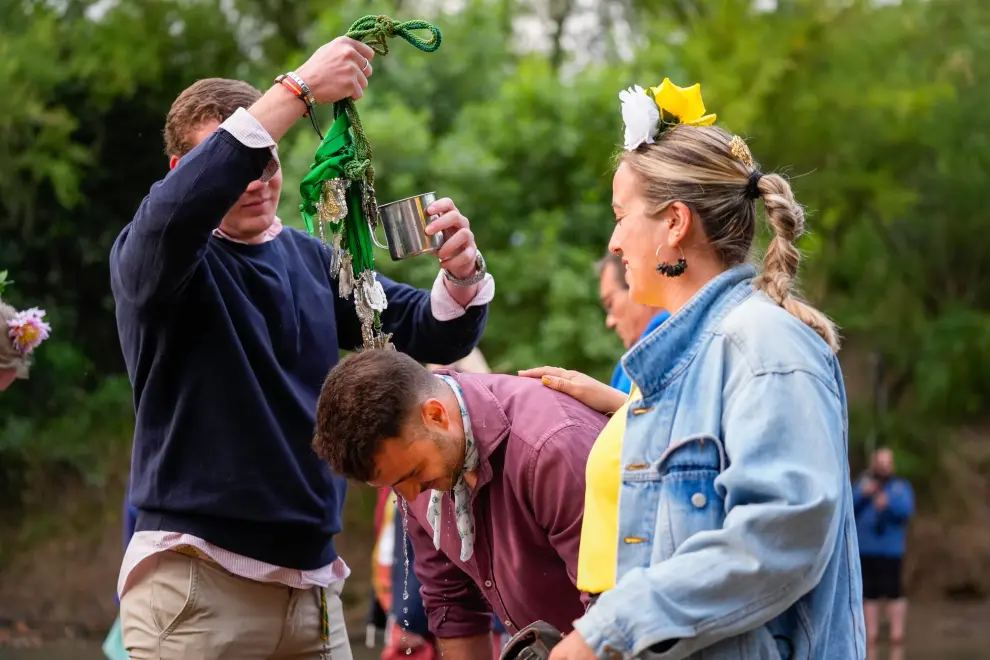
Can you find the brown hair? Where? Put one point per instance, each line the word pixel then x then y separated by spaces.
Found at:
pixel 10 357
pixel 367 399
pixel 210 99
pixel 709 170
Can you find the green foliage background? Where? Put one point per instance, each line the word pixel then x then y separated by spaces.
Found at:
pixel 878 111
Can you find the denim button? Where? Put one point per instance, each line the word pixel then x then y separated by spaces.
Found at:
pixel 699 500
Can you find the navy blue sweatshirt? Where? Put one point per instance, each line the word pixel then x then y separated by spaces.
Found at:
pixel 227 346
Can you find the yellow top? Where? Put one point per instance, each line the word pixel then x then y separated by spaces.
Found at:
pixel 598 554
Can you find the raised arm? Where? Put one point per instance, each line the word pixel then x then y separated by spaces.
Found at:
pixel 156 253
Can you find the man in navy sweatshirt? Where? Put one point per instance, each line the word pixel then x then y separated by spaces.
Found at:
pixel 229 323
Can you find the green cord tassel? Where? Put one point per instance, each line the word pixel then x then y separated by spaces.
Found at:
pixel 338 192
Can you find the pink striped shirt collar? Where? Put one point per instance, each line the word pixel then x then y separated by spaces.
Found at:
pixel 264 237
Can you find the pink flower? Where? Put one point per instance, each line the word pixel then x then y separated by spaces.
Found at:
pixel 27 330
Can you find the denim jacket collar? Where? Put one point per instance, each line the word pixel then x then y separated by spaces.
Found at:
pixel 665 352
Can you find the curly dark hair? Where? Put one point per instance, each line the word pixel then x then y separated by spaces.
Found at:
pixel 366 399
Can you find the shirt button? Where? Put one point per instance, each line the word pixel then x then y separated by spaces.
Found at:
pixel 488 584
pixel 508 624
pixel 699 500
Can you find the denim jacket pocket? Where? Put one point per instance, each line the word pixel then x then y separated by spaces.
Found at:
pixel 689 501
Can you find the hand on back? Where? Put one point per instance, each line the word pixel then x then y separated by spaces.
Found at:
pixel 592 393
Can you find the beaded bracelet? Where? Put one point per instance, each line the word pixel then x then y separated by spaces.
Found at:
pixel 295 84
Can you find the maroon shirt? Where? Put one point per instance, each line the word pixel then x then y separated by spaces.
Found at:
pixel 533 444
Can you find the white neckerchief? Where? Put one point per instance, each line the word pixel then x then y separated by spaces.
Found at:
pixel 462 493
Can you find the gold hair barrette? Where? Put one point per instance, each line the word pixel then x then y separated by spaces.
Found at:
pixel 741 151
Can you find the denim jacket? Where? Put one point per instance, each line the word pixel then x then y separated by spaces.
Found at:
pixel 737 537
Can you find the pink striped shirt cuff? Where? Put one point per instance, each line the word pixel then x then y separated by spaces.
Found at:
pixel 445 308
pixel 249 132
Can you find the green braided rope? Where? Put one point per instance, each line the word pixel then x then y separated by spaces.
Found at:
pixel 375 31
pixel 345 153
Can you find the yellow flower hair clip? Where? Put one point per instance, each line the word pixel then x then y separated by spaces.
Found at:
pixel 683 105
pixel 663 107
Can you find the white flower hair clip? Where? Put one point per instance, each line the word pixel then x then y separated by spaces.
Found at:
pixel 640 115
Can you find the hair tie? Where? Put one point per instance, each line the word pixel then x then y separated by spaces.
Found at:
pixel 753 185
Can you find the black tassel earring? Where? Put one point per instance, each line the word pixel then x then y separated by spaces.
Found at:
pixel 671 270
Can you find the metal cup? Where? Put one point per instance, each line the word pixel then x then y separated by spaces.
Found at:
pixel 405 227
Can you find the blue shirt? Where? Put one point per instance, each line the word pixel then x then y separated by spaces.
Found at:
pixel 620 380
pixel 737 537
pixel 883 533
pixel 227 346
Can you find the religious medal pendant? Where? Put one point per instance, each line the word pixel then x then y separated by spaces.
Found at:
pixel 321 225
pixel 335 251
pixel 332 207
pixel 369 204
pixel 345 278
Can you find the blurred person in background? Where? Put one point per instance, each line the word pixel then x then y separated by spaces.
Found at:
pixel 628 318
pixel 884 505
pixel 731 532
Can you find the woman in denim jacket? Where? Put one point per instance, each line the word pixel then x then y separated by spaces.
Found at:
pixel 735 530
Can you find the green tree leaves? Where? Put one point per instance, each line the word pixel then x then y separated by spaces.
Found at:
pixel 877 112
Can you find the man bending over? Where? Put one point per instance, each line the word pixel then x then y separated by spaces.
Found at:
pixel 492 468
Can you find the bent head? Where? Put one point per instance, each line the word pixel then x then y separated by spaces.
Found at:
pixel 686 195
pixel 194 116
pixel 384 419
pixel 625 316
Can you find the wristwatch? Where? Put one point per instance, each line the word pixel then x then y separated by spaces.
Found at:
pixel 479 263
